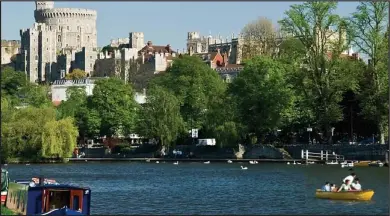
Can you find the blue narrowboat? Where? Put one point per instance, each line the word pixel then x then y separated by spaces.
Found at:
pixel 47 197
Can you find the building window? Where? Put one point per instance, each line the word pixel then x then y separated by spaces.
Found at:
pixel 47 39
pixel 90 65
pixel 88 38
pixel 50 28
pixel 78 38
pixel 36 58
pixel 47 48
pixel 78 28
pixel 59 28
pixel 67 28
pixel 59 38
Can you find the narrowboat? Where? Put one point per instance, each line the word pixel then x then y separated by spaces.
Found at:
pixel 41 196
pixel 4 185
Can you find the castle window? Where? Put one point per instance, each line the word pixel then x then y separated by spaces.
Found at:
pixel 47 39
pixel 47 48
pixel 78 38
pixel 78 28
pixel 59 38
pixel 67 28
pixel 36 58
pixel 59 28
pixel 50 28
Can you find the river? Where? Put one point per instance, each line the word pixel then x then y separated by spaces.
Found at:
pixel 216 188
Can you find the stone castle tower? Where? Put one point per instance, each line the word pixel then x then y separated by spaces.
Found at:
pixel 136 40
pixel 61 39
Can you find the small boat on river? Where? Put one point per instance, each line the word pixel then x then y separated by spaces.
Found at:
pixel 376 164
pixel 41 196
pixel 364 195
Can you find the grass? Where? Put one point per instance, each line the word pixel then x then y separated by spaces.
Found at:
pixel 6 211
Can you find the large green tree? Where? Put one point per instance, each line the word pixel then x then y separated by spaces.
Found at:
pixel 322 34
pixel 262 95
pixel 368 30
pixel 59 138
pixel 160 117
pixel 195 85
pixel 76 99
pixel 114 101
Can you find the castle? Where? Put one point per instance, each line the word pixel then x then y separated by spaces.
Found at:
pixel 197 44
pixel 60 40
pixel 9 51
pixel 132 60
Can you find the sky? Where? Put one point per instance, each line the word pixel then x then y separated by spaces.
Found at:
pixel 162 22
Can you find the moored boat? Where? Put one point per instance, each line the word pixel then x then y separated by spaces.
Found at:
pixel 376 164
pixel 4 185
pixel 48 198
pixel 364 195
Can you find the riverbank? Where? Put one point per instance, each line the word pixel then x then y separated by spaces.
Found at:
pixel 179 160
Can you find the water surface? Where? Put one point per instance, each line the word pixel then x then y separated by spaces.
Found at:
pixel 217 188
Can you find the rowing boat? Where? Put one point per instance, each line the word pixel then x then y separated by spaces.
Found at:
pixel 364 195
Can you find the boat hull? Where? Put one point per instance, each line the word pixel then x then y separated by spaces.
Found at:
pixel 365 195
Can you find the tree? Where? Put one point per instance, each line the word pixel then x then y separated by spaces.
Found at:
pixel 76 74
pixel 262 95
pixel 368 30
pixel 195 85
pixel 160 117
pixel 35 95
pixel 322 34
pixel 114 101
pixel 59 138
pixel 88 121
pixel 76 98
pixel 12 81
pixel 260 38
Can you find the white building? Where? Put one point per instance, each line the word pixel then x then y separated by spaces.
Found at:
pixel 59 87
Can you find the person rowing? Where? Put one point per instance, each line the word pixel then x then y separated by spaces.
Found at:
pixel 350 178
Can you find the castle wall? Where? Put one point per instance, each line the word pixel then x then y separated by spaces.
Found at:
pixel 9 49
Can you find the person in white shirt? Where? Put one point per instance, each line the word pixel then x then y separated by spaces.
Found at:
pixel 345 186
pixel 350 178
pixel 356 185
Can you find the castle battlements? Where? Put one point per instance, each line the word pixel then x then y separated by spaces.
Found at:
pixel 61 13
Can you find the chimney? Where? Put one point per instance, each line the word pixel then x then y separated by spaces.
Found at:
pixel 149 43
